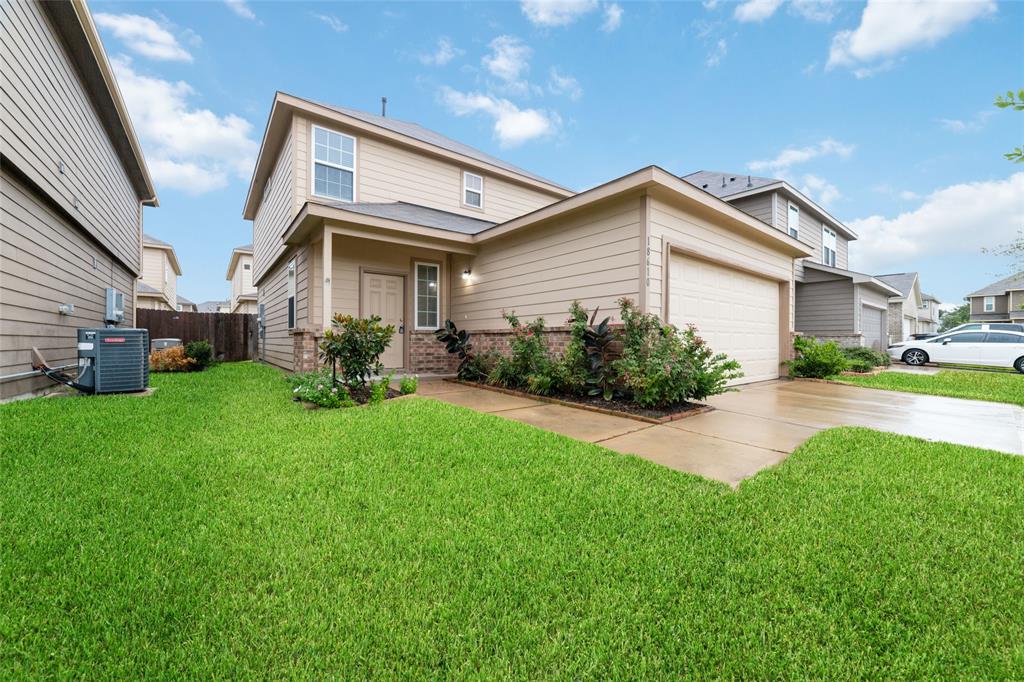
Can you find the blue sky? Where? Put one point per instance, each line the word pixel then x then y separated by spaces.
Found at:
pixel 881 112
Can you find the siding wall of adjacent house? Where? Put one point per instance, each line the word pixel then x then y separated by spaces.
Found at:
pixel 50 121
pixel 151 303
pixel 276 347
pixel 387 172
pixel 277 208
pixel 760 206
pixel 45 260
pixel 158 273
pixel 1016 303
pixel 241 279
pixel 593 257
pixel 825 308
pixel 870 297
pixel 670 222
pixel 978 305
pixel 809 233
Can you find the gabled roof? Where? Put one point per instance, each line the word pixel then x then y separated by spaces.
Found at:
pixel 153 242
pixel 236 254
pixel 929 297
pixel 902 281
pixel 146 290
pixel 210 306
pixel 1013 282
pixel 184 301
pixel 856 277
pixel 415 214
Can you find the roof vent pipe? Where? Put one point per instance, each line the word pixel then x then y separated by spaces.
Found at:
pixel 749 183
pixel 723 181
pixel 384 107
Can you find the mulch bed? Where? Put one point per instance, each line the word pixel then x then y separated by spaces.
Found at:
pixel 617 408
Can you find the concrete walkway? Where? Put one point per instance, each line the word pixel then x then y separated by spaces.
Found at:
pixel 759 425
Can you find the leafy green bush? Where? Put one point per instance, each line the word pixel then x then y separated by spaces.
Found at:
pixel 711 371
pixel 355 345
pixel 816 360
pixel 319 388
pixel 868 355
pixel 654 366
pixel 379 389
pixel 408 385
pixel 860 366
pixel 200 353
pixel 540 384
pixel 457 341
pixel 528 354
pixel 572 368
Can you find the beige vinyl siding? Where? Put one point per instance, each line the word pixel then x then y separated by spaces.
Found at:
pixel 810 231
pixel 241 279
pixel 156 262
pixel 759 206
pixel 276 345
pixel 593 257
pixel 670 222
pixel 387 172
pixel 45 261
pixel 151 303
pixel 825 308
pixel 276 211
pixel 48 119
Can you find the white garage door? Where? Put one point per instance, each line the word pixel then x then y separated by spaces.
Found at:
pixel 735 312
pixel 872 321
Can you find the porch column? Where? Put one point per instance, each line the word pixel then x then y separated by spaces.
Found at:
pixel 328 272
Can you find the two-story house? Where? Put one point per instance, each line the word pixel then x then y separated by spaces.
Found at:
pixel 928 314
pixel 1001 301
pixel 365 215
pixel 73 183
pixel 157 287
pixel 832 302
pixel 185 305
pixel 905 306
pixel 243 293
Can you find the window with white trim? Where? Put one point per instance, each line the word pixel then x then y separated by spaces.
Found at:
pixel 334 164
pixel 828 246
pixel 427 296
pixel 291 294
pixel 793 222
pixel 472 190
pixel 989 304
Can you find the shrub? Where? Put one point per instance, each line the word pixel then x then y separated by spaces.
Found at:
pixel 457 341
pixel 481 365
pixel 572 368
pixel 320 389
pixel 201 354
pixel 860 366
pixel 540 384
pixel 408 385
pixel 528 354
pixel 599 343
pixel 816 360
pixel 355 345
pixel 171 359
pixel 711 371
pixel 868 355
pixel 654 366
pixel 379 389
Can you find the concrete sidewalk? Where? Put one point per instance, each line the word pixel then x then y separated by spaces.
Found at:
pixel 758 426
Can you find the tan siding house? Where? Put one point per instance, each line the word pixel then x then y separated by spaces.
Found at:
pixel 243 292
pixel 1001 301
pixel 73 183
pixel 157 288
pixel 357 214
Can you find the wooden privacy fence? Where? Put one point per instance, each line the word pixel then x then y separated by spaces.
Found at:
pixel 233 335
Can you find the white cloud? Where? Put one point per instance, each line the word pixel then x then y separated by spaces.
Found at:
pixel 241 8
pixel 335 24
pixel 822 11
pixel 717 53
pixel 756 10
pixel 508 61
pixel 143 36
pixel 512 125
pixel 792 156
pixel 950 221
pixel 562 84
pixel 612 17
pixel 444 53
pixel 550 13
pixel 187 148
pixel 907 195
pixel 972 125
pixel 710 4
pixel 820 190
pixel 889 28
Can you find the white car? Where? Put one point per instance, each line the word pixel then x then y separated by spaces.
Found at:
pixel 965 347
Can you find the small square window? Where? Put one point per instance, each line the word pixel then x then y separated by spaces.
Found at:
pixel 473 190
pixel 989 304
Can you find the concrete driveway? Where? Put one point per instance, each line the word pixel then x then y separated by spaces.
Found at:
pixel 759 425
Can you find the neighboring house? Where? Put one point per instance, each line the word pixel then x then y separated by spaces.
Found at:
pixel 243 293
pixel 1001 301
pixel 158 285
pixel 904 308
pixel 73 182
pixel 185 305
pixel 364 215
pixel 214 307
pixel 928 314
pixel 831 301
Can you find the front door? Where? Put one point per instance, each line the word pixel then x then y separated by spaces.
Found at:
pixel 384 295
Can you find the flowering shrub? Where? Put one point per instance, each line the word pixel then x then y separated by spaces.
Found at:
pixel 408 385
pixel 528 356
pixel 318 388
pixel 171 359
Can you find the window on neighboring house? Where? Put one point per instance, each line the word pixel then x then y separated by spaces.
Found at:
pixel 828 246
pixel 291 294
pixel 989 304
pixel 247 266
pixel 427 298
pixel 334 164
pixel 794 221
pixel 472 190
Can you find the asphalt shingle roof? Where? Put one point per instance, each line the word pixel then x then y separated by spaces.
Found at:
pixel 726 184
pixel 244 247
pixel 149 239
pixel 417 215
pixel 1001 287
pixel 144 288
pixel 184 301
pixel 929 297
pixel 209 306
pixel 904 281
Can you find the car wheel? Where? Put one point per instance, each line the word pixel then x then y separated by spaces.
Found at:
pixel 915 356
pixel 1018 365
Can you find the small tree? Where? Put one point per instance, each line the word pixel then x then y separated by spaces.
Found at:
pixel 355 345
pixel 1013 102
pixel 956 317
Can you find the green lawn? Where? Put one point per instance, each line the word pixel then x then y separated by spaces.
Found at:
pixel 218 530
pixel 999 387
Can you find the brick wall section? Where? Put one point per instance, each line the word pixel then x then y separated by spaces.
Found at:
pixel 845 341
pixel 427 355
pixel 305 350
pixel 896 322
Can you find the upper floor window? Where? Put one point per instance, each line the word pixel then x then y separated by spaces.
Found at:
pixel 828 246
pixel 473 190
pixel 989 304
pixel 794 221
pixel 334 164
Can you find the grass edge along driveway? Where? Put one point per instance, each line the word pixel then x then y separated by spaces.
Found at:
pixel 998 387
pixel 216 529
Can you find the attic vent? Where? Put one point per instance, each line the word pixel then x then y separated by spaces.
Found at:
pixel 704 186
pixel 732 179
